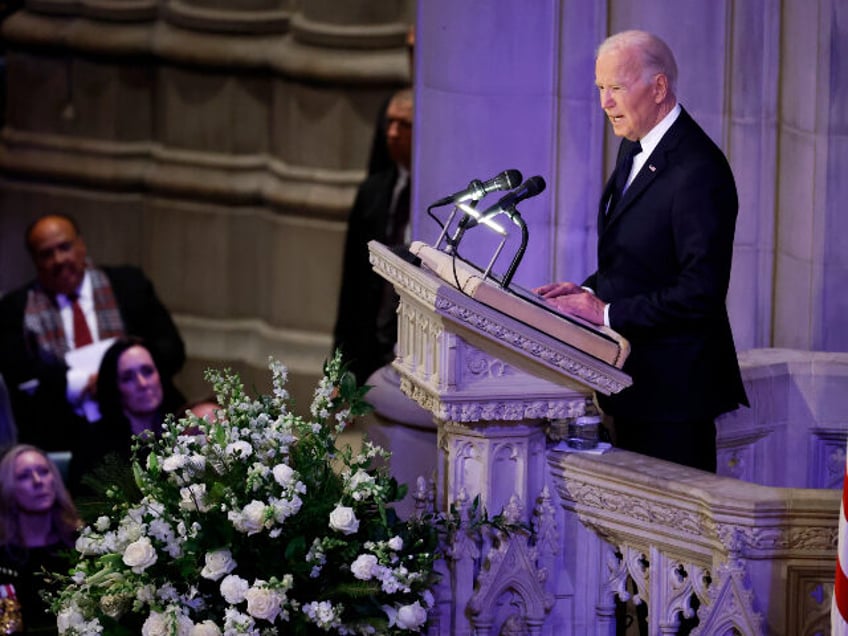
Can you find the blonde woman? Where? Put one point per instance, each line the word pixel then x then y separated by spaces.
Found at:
pixel 38 521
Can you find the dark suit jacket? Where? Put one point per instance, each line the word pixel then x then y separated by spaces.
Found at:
pixel 362 290
pixel 45 418
pixel 664 257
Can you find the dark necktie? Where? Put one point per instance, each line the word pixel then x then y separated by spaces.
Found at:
pixel 622 171
pixel 82 334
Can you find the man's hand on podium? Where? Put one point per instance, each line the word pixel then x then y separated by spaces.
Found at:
pixel 570 298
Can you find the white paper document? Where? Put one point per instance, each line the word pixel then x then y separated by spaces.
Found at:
pixel 86 361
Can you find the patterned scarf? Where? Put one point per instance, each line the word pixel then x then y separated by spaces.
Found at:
pixel 43 322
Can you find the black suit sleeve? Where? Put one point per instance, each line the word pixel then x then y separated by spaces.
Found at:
pixel 361 288
pixel 20 357
pixel 41 412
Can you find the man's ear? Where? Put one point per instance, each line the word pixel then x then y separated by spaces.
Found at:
pixel 660 87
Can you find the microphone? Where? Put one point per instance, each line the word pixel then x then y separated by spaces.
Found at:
pixel 477 189
pixel 507 203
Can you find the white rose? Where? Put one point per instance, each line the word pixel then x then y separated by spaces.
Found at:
pixel 184 625
pixel 173 462
pixel 155 625
pixel 411 616
pixel 233 589
pixel 360 477
pixel 263 603
pixel 218 563
pixel 140 555
pixel 344 520
pixel 283 474
pixel 363 567
pixel 87 546
pixel 251 518
pixel 396 544
pixel 206 628
pixel 130 530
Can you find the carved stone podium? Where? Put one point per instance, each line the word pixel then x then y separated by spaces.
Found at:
pixel 492 383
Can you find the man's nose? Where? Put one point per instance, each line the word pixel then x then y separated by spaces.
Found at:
pixel 60 256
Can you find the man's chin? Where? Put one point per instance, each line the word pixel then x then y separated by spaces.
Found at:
pixel 64 285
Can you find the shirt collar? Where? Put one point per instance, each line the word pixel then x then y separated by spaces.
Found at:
pixel 84 294
pixel 652 139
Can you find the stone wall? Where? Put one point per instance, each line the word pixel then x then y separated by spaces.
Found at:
pixel 217 145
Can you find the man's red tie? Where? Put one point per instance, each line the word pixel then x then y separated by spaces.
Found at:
pixel 82 334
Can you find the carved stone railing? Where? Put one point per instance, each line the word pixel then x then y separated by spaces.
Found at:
pixel 757 559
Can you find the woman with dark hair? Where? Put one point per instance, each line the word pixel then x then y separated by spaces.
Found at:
pixel 132 403
pixel 38 521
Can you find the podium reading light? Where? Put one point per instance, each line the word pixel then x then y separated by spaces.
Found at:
pixel 479 218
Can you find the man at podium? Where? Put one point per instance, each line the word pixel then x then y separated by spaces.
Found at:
pixel 666 223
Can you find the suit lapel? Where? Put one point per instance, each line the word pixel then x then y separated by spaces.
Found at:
pixel 651 170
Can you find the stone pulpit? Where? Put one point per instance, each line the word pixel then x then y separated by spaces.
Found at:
pixel 494 370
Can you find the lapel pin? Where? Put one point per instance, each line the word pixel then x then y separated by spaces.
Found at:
pixel 652 167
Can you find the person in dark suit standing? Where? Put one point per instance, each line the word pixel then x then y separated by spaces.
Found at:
pixel 70 304
pixel 666 223
pixel 366 322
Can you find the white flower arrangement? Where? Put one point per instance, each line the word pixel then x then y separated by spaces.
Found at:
pixel 244 526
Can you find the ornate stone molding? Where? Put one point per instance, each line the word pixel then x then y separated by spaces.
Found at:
pixel 350 36
pixel 259 19
pixel 467 362
pixel 112 10
pixel 575 365
pixel 157 169
pixel 206 37
pixel 738 532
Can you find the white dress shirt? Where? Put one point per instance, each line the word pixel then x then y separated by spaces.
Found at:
pixel 77 378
